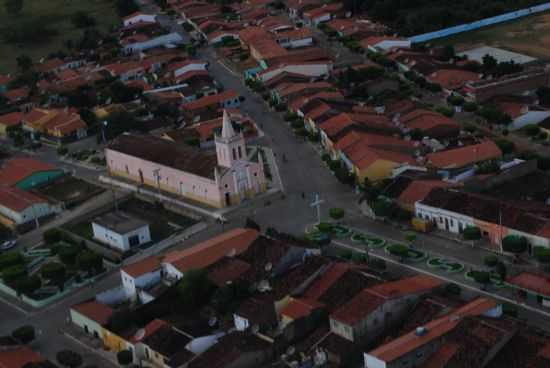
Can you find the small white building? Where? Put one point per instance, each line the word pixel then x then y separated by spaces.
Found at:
pixel 120 230
pixel 140 275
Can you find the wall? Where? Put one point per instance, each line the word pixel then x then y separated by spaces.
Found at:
pixel 312 70
pixel 112 296
pixel 120 241
pixel 83 322
pixel 381 169
pixel 140 18
pixel 29 214
pixel 188 68
pixel 438 217
pixel 480 23
pixel 146 280
pixel 171 38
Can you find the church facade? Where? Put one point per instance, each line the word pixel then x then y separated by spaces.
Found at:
pixel 220 179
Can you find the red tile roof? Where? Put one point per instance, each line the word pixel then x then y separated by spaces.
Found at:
pixel 530 281
pixel 453 79
pixel 358 308
pixel 11 119
pixel 434 330
pixel 203 254
pixel 139 268
pixel 15 95
pixel 226 270
pixel 18 357
pixel 326 280
pixel 95 311
pixel 411 285
pixel 463 156
pixel 211 100
pixel 5 79
pixel 148 330
pixel 299 308
pixel 425 120
pixel 18 200
pixel 419 189
pixel 441 357
pixel 18 169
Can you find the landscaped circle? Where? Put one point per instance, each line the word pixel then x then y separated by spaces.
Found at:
pixel 337 230
pixel 375 242
pixel 445 265
pixel 405 252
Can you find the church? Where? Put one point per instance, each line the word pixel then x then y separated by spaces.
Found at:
pixel 220 179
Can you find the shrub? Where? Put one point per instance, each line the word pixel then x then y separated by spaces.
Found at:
pixel 481 277
pixel 515 244
pixel 13 273
pixel 470 106
pixel 472 233
pixel 324 227
pixel 53 271
pixel 334 165
pixel 455 100
pixel 62 150
pixel 52 236
pixel 531 129
pixel 470 128
pixel 24 334
pixel 543 163
pixel 69 358
pixel 10 259
pixel 453 289
pixel 542 254
pixel 443 110
pixel 398 250
pixel 490 261
pixel 542 135
pixel 505 145
pixel 336 213
pixel 326 157
pixel 67 254
pixel 296 124
pixel 27 284
pixel 124 357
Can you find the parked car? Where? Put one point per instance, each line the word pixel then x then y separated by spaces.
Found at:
pixel 8 244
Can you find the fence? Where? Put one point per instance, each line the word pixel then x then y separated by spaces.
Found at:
pixel 480 23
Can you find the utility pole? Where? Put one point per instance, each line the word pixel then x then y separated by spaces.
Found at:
pixel 156 172
pixel 317 204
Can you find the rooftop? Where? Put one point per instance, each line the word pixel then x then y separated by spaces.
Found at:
pixel 119 222
pixel 539 283
pixel 166 340
pixel 227 269
pixel 212 100
pixel 18 357
pixel 463 156
pixel 358 308
pixel 18 200
pixel 230 243
pixel 166 153
pixel 299 308
pixel 95 311
pixel 139 268
pixel 17 169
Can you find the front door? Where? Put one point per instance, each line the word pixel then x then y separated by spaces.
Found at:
pixel 227 199
pixel 141 176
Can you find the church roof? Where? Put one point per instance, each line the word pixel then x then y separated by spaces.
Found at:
pixel 167 153
pixel 227 127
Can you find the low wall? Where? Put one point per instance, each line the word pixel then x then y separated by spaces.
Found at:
pixel 480 23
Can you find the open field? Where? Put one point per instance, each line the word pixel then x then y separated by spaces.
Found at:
pixel 55 15
pixel 530 36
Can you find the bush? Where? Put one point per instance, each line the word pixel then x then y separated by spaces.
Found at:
pixel 531 130
pixel 10 259
pixel 470 128
pixel 324 227
pixel 334 165
pixel 470 106
pixel 52 236
pixel 453 289
pixel 13 273
pixel 326 157
pixel 336 213
pixel 124 357
pixel 53 271
pixel 69 358
pixel 24 334
pixel 455 100
pixel 515 244
pixel 398 250
pixel 472 233
pixel 542 135
pixel 62 150
pixel 542 254
pixel 481 277
pixel 490 261
pixel 447 111
pixel 67 254
pixel 28 284
pixel 543 163
pixel 505 145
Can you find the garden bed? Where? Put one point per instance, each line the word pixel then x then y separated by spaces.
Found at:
pixel 476 276
pixel 445 265
pixel 368 240
pixel 406 253
pixel 337 230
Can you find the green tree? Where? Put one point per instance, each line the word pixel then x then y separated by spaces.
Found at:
pixel 67 254
pixel 69 358
pixel 13 273
pixel 89 261
pixel 124 357
pixel 489 63
pixel 14 7
pixel 515 244
pixel 10 259
pixel 24 334
pixel 194 289
pixel 27 284
pixel 471 233
pixel 55 272
pixel 52 236
pixel 505 145
pixel 126 7
pixel 83 20
pixel 542 254
pixel 24 63
pixel 398 250
pixel 410 237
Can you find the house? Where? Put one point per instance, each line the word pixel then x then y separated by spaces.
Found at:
pixel 464 156
pixel 120 230
pixel 139 276
pixel 286 92
pixel 28 173
pixel 453 210
pixel 296 8
pixel 19 356
pixel 531 286
pixel 126 71
pixel 230 243
pixel 322 14
pixel 416 191
pixel 5 79
pixel 384 43
pixel 218 180
pixel 379 307
pixel 415 348
pixel 452 80
pixel 312 69
pixel 92 317
pixel 169 40
pixel 295 38
pixel 17 95
pixel 18 207
pixel 10 121
pixel 429 123
pixel 57 125
pixel 512 84
pixel 178 69
pixel 159 344
pixel 208 107
pixel 138 18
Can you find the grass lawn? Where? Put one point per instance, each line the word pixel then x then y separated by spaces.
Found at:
pixel 529 35
pixel 55 14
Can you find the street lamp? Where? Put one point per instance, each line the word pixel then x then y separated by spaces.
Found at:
pixel 156 172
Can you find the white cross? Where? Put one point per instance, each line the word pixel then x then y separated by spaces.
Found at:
pixel 317 203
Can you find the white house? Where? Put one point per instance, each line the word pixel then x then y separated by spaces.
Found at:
pixel 18 207
pixel 120 230
pixel 139 18
pixel 384 43
pixel 310 69
pixel 167 40
pixel 140 275
pixel 180 69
